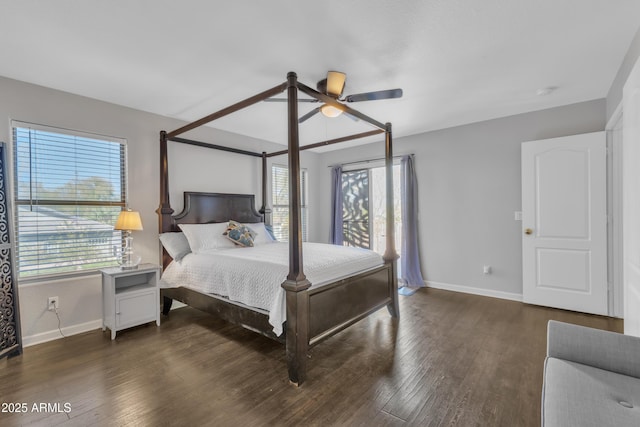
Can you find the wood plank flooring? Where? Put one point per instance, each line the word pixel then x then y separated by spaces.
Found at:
pixel 451 360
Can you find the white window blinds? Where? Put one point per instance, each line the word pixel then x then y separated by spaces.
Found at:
pixel 69 188
pixel 280 202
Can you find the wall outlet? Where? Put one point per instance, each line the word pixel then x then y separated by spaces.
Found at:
pixel 53 303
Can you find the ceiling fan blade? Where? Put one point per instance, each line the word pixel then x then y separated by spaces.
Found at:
pixel 309 115
pixel 335 83
pixel 354 118
pixel 285 100
pixel 374 96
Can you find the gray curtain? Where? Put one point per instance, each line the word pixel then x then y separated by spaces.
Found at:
pixel 336 206
pixel 410 274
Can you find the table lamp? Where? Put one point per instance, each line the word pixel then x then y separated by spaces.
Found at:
pixel 129 221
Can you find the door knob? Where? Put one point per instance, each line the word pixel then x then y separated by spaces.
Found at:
pixel 528 231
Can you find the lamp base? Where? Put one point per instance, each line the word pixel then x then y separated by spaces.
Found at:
pixel 129 260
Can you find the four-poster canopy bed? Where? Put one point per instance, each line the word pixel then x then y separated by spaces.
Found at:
pixel 312 313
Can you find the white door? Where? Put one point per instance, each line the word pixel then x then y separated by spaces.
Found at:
pixel 564 240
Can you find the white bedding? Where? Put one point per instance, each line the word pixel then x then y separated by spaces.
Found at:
pixel 252 276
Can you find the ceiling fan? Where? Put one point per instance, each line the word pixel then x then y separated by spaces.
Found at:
pixel 333 86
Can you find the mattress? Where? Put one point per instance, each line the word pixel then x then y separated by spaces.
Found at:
pixel 252 276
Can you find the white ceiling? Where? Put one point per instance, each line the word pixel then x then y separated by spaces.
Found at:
pixel 458 61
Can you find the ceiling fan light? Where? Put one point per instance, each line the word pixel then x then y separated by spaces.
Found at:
pixel 330 111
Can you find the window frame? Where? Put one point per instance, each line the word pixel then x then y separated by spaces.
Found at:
pixel 43 274
pixel 304 202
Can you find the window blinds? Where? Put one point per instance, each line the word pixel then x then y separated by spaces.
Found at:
pixel 69 188
pixel 280 202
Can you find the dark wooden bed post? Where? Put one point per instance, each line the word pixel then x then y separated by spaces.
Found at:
pixel 297 326
pixel 164 210
pixel 264 210
pixel 390 255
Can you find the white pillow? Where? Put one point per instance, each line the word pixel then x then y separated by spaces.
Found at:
pixel 204 237
pixel 262 235
pixel 176 245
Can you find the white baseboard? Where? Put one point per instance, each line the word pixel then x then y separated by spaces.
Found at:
pixel 475 291
pixel 55 334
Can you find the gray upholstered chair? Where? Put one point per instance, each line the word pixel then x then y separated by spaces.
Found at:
pixel 591 378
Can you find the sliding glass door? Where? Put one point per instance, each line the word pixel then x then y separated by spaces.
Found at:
pixel 356 224
pixel 379 209
pixel 364 208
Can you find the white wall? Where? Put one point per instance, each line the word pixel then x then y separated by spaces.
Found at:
pixel 469 188
pixel 191 168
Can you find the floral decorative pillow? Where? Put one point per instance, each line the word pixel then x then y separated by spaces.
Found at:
pixel 240 234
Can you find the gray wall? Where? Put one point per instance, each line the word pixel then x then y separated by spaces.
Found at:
pixel 614 97
pixel 191 168
pixel 469 189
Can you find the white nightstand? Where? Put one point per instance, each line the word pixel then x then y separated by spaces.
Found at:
pixel 130 297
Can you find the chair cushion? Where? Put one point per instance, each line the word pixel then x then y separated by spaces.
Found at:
pixel 579 395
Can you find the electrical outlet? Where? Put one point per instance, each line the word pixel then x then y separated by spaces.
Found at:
pixel 53 303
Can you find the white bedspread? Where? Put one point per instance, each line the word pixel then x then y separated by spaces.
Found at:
pixel 252 276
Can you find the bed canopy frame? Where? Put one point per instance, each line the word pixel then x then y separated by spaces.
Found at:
pixel 297 330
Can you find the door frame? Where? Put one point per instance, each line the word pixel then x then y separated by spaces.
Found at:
pixel 631 198
pixel 615 266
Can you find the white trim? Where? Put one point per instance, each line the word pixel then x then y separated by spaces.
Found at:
pixel 79 133
pixel 614 207
pixel 475 291
pixel 368 164
pixel 613 120
pixel 631 200
pixel 55 334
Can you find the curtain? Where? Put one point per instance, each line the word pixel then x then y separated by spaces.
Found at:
pixel 410 259
pixel 336 206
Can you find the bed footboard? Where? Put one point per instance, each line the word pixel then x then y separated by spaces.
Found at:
pixel 315 314
pixel 334 307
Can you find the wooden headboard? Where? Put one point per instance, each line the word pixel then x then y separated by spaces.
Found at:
pixel 204 208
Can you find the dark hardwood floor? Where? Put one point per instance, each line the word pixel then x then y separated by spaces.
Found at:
pixel 452 359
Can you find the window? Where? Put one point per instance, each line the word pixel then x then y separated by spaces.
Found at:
pixel 69 188
pixel 280 200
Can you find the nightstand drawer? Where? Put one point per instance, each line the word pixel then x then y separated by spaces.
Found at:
pixel 134 308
